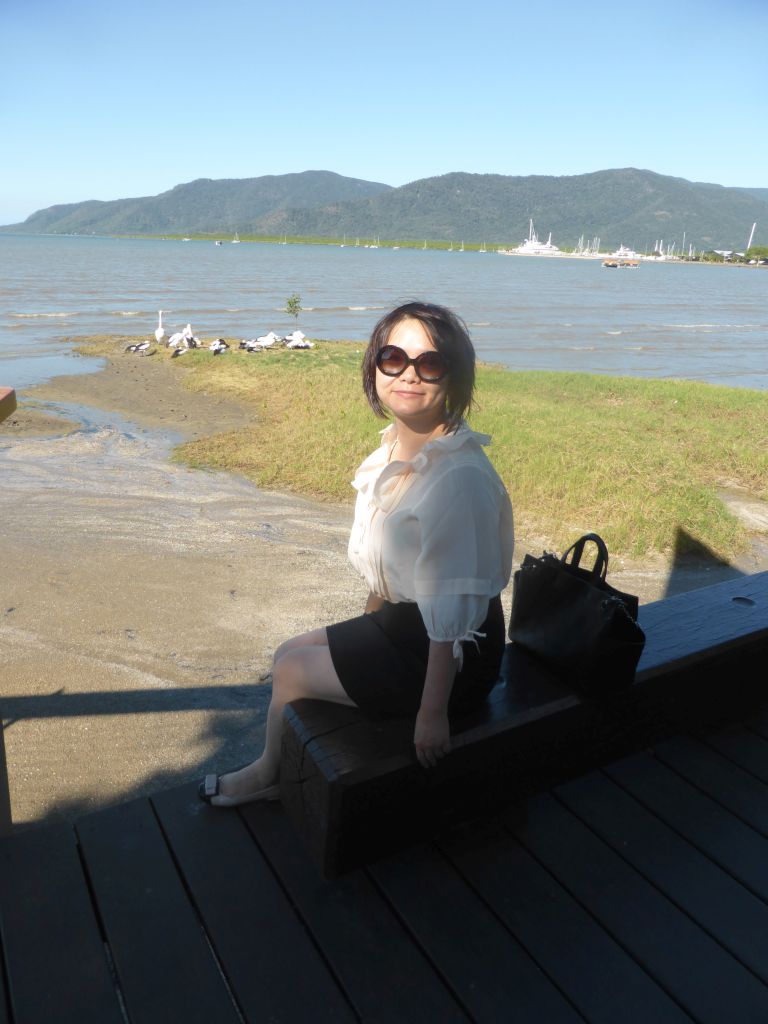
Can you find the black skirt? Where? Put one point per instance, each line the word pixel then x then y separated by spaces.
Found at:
pixel 381 660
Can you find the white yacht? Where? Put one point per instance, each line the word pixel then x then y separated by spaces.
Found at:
pixel 532 246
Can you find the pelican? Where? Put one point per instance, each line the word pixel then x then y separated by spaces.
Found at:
pixel 159 333
pixel 189 337
pixel 297 340
pixel 251 346
pixel 218 347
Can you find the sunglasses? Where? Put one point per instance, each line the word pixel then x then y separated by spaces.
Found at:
pixel 430 366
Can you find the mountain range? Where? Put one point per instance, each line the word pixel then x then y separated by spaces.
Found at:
pixel 629 206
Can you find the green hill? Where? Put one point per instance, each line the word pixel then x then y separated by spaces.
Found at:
pixel 201 207
pixel 629 206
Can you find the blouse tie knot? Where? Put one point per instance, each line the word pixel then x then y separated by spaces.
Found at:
pixel 458 652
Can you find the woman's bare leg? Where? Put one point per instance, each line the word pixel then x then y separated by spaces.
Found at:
pixel 302 668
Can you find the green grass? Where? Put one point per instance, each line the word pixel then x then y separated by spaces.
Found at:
pixel 636 460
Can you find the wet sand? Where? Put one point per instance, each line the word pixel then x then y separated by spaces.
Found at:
pixel 140 601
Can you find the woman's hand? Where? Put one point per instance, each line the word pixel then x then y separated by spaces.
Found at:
pixel 432 737
pixel 373 604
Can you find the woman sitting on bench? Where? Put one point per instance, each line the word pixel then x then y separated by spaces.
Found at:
pixel 433 539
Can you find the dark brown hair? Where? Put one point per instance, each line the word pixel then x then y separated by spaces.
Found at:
pixel 449 334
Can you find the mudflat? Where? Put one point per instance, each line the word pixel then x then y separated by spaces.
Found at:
pixel 140 601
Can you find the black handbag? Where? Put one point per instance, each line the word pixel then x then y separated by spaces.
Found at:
pixel 570 618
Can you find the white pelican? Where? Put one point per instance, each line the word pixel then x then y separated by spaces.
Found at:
pixel 159 333
pixel 297 339
pixel 218 346
pixel 189 337
pixel 179 338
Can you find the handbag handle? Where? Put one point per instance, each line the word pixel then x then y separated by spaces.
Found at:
pixel 600 568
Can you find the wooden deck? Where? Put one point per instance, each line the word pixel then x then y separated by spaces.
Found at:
pixel 637 893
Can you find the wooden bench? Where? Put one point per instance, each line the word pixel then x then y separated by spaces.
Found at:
pixel 356 793
pixel 7 402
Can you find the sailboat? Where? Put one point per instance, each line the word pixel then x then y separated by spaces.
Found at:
pixel 236 239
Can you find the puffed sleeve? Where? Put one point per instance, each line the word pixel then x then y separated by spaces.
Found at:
pixel 465 522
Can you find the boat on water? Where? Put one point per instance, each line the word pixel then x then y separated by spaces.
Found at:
pixel 622 259
pixel 236 239
pixel 533 247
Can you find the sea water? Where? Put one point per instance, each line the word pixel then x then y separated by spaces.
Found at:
pixel 671 320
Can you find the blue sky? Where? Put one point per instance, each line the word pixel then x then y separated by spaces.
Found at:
pixel 103 101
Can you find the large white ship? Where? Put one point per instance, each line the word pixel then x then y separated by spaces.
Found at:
pixel 533 247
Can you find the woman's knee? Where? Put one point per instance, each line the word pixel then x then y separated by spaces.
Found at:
pixel 313 638
pixel 288 674
pixel 306 672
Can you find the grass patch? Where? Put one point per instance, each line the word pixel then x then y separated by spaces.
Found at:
pixel 637 460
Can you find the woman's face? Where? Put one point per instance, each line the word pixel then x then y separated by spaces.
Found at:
pixel 407 397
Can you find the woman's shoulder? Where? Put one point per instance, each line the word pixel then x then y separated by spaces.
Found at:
pixel 460 470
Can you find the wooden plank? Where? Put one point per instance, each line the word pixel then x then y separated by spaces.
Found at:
pixel 5 1010
pixel 483 963
pixel 759 722
pixel 54 953
pixel 384 974
pixel 165 966
pixel 272 965
pixel 743 794
pixel 695 970
pixel 741 745
pixel 602 981
pixel 681 629
pixel 698 818
pixel 725 909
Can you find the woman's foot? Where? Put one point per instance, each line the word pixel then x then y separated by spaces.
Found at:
pixel 242 787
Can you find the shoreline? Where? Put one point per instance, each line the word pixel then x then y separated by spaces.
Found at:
pixel 141 599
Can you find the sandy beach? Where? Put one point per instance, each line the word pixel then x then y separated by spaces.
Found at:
pixel 141 600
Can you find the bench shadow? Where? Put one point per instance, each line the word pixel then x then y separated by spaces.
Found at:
pixel 234 734
pixel 694 566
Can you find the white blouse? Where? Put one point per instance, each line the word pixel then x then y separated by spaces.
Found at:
pixel 436 530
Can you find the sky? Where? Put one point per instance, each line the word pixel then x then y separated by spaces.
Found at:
pixel 106 101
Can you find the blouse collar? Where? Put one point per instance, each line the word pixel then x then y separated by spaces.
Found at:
pixel 377 476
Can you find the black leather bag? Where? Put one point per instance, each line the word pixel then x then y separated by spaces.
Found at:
pixel 570 618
